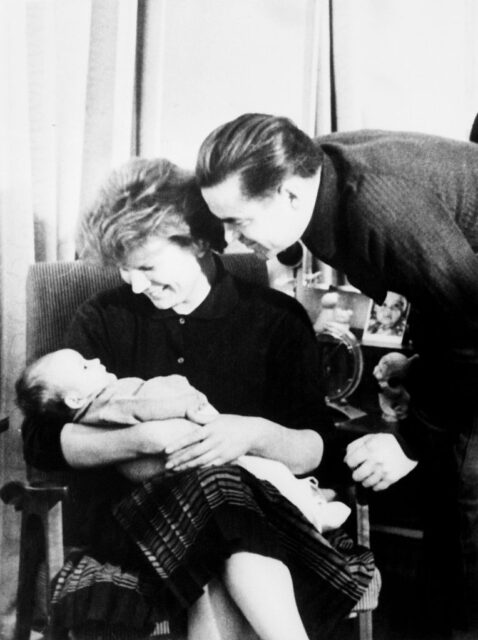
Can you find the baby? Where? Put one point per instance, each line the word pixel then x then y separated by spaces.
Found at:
pixel 65 384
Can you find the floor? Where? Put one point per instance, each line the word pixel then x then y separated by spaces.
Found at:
pixel 402 613
pixel 406 610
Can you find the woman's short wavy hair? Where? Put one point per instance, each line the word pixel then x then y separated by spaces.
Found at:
pixel 263 150
pixel 144 199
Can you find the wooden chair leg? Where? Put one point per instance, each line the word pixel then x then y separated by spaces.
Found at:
pixel 362 517
pixel 32 554
pixel 41 551
pixel 54 554
pixel 365 625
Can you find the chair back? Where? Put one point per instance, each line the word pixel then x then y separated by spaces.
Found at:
pixel 56 289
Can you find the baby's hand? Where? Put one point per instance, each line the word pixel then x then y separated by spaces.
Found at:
pixel 203 413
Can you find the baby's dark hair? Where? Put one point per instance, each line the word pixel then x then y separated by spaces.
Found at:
pixel 36 398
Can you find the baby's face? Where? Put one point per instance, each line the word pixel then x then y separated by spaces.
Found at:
pixel 68 372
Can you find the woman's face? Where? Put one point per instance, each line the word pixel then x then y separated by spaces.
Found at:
pixel 169 275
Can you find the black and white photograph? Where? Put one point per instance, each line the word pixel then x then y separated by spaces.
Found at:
pixel 386 323
pixel 200 202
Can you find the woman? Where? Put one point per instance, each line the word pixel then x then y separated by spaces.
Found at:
pixel 149 551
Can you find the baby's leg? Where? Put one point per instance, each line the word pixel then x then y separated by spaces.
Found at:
pixel 304 493
pixel 331 515
pixel 266 469
pixel 326 513
pixel 299 492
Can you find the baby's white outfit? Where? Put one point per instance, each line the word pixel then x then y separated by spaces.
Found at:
pixel 304 493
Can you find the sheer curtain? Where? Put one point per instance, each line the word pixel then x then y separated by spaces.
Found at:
pixel 68 114
pixel 67 72
pixel 405 65
pixel 409 65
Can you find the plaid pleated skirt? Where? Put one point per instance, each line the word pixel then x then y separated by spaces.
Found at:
pixel 182 529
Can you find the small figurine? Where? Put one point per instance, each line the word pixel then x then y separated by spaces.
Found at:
pixel 332 313
pixel 343 317
pixel 390 373
pixel 327 310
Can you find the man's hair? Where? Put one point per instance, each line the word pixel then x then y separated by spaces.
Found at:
pixel 261 149
pixel 144 199
pixel 35 397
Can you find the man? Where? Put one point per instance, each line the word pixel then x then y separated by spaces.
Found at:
pixel 395 212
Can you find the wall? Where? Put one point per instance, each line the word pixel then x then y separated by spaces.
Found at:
pixel 209 61
pixel 415 63
pixel 399 64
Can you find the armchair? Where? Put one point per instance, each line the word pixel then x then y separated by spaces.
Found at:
pixel 54 291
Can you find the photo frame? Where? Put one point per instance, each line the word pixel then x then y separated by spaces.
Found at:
pixel 386 324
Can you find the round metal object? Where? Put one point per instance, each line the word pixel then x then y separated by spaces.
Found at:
pixel 342 362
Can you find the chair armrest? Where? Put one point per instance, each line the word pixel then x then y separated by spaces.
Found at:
pixel 18 493
pixel 371 422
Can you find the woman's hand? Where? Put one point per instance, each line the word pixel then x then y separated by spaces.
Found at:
pixel 156 436
pixel 84 446
pixel 220 441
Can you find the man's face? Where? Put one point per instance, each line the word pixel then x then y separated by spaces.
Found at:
pixel 265 225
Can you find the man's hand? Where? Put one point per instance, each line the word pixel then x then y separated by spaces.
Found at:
pixel 377 460
pixel 219 442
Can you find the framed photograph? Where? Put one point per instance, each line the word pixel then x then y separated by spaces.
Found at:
pixel 385 324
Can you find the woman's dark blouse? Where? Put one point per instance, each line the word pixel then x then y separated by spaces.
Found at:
pixel 250 349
